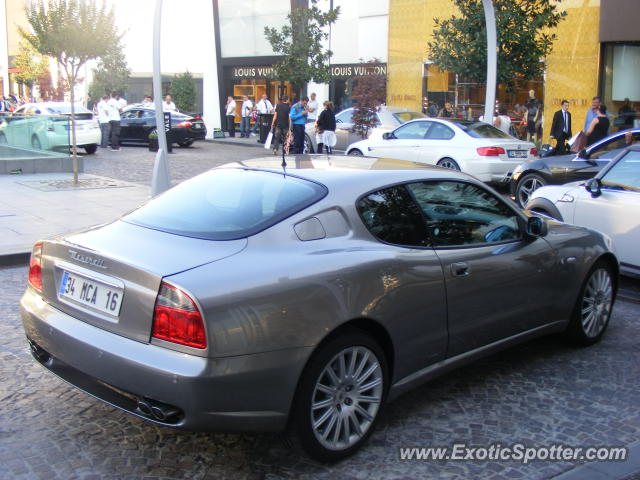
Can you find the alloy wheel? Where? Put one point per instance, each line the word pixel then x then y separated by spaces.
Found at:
pixel 346 398
pixel 527 186
pixel 596 303
pixel 448 163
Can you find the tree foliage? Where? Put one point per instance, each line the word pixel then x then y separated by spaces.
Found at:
pixel 73 32
pixel 525 37
pixel 368 94
pixel 30 64
pixel 111 74
pixel 47 91
pixel 300 43
pixel 183 91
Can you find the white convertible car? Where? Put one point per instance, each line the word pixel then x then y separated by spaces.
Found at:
pixel 473 147
pixel 609 202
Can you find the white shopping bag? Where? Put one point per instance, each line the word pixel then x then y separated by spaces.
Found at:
pixel 267 142
pixel 330 138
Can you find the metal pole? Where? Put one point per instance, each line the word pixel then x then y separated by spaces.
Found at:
pixel 492 60
pixel 160 180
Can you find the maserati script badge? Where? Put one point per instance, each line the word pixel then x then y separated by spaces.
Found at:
pixel 94 262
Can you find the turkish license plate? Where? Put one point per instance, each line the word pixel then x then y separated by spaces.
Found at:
pixel 517 153
pixel 197 126
pixel 90 292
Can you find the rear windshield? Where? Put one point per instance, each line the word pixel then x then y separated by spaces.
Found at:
pixel 482 130
pixel 404 117
pixel 227 204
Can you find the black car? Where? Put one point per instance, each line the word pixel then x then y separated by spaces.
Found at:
pixel 560 169
pixel 138 122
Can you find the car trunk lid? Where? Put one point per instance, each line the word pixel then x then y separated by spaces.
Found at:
pixel 102 279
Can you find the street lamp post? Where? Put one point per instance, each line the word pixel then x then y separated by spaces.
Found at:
pixel 160 180
pixel 492 60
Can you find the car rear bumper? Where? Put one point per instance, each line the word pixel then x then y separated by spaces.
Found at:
pixel 491 169
pixel 233 394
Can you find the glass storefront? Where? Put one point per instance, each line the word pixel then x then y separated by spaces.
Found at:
pixel 620 86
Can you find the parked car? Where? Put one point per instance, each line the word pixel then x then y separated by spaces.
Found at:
pixel 301 299
pixel 138 122
pixel 609 202
pixel 556 170
pixel 47 126
pixel 476 148
pixel 387 118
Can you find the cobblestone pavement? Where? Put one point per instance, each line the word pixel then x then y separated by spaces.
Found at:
pixel 540 393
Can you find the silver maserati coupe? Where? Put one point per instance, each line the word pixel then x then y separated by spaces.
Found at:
pixel 302 297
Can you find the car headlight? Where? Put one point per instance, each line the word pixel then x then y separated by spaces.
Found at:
pixel 566 198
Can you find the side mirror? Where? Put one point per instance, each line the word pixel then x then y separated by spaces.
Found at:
pixel 594 186
pixel 387 135
pixel 583 154
pixel 536 227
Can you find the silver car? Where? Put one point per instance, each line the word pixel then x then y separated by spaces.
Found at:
pixel 300 299
pixel 387 118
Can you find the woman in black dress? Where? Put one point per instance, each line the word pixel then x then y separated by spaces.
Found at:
pixel 326 128
pixel 599 126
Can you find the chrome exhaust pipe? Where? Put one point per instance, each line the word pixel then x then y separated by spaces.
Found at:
pixel 163 413
pixel 145 408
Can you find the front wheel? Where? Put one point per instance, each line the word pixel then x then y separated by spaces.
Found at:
pixel 593 307
pixel 355 153
pixel 339 397
pixel 527 185
pixel 449 163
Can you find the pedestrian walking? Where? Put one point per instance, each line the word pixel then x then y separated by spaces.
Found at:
pixel 103 120
pixel 114 121
pixel 280 123
pixel 245 121
pixel 231 116
pixel 599 126
pixel 326 128
pixel 298 117
pixel 561 128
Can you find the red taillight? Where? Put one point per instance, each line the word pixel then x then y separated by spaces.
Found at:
pixel 490 151
pixel 533 151
pixel 177 319
pixel 35 267
pixel 197 117
pixel 184 124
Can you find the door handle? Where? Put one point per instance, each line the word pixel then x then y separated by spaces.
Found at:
pixel 460 269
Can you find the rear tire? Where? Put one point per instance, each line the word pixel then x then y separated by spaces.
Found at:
pixel 356 153
pixel 90 149
pixel 339 397
pixel 449 163
pixel 592 310
pixel 308 146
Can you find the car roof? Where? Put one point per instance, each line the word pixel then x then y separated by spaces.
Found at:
pixel 342 170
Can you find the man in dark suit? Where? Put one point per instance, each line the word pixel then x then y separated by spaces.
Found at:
pixel 561 128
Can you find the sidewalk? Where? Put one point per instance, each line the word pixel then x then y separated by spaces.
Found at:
pixel 42 205
pixel 252 141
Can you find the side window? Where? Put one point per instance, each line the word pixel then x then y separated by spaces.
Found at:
pixel 392 216
pixel 148 113
pixel 129 114
pixel 608 150
pixel 344 116
pixel 461 214
pixel 409 131
pixel 439 131
pixel 624 175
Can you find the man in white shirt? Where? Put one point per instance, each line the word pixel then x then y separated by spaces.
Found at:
pixel 148 102
pixel 263 107
pixel 231 116
pixel 245 123
pixel 168 105
pixel 114 121
pixel 103 120
pixel 312 106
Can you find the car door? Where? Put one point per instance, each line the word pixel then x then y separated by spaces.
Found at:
pixel 131 125
pixel 436 144
pixel 499 281
pixel 616 211
pixel 403 143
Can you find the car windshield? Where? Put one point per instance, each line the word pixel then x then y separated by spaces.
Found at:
pixel 403 117
pixel 65 109
pixel 227 204
pixel 481 130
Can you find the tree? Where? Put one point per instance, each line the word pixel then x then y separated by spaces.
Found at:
pixel 300 42
pixel 525 37
pixel 73 32
pixel 47 91
pixel 183 91
pixel 30 65
pixel 111 74
pixel 368 94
